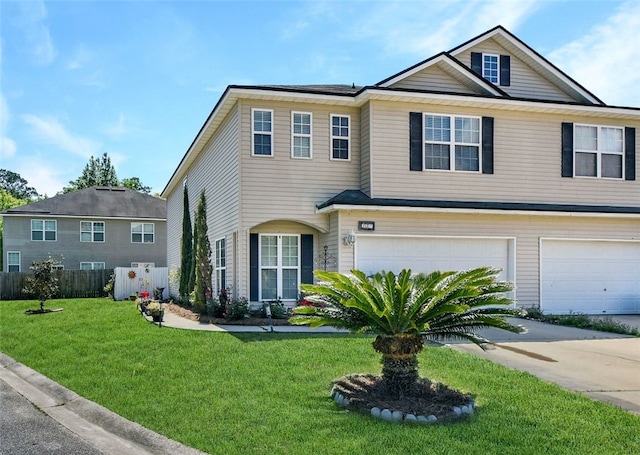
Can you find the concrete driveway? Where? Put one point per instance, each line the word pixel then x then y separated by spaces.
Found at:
pixel 603 366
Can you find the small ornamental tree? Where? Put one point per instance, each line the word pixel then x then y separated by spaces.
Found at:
pixel 42 284
pixel 203 269
pixel 186 256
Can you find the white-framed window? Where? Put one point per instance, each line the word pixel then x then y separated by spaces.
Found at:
pixel 92 231
pixel 262 132
pixel 598 151
pixel 340 137
pixel 92 266
pixel 452 142
pixel 301 135
pixel 221 264
pixel 279 263
pixel 44 230
pixel 142 233
pixel 491 67
pixel 13 261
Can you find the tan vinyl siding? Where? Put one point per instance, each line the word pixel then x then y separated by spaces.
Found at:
pixel 282 187
pixel 365 149
pixel 527 162
pixel 525 82
pixel 216 170
pixel 174 234
pixel 527 230
pixel 433 78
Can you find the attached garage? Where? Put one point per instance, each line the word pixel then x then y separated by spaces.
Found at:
pixel 374 253
pixel 589 276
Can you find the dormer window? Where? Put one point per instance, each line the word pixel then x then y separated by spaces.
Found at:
pixel 492 67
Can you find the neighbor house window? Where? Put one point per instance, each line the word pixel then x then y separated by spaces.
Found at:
pixel 491 67
pixel 301 135
pixel 598 151
pixel 142 233
pixel 44 230
pixel 92 266
pixel 92 231
pixel 13 261
pixel 340 137
pixel 451 142
pixel 262 132
pixel 221 264
pixel 279 266
pixel 144 265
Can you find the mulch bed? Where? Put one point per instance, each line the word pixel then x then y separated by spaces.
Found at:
pixel 187 313
pixel 365 392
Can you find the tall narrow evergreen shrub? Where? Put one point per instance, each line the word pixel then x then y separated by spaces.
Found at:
pixel 203 269
pixel 186 254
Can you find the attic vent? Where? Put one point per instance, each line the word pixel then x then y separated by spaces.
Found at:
pixel 118 189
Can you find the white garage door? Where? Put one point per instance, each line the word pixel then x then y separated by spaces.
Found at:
pixel 592 277
pixel 426 254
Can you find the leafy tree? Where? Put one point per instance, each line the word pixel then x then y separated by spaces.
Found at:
pixel 202 248
pixel 187 272
pixel 16 186
pixel 134 183
pixel 42 284
pixel 403 310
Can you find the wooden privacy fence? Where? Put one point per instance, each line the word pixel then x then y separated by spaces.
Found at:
pixel 73 284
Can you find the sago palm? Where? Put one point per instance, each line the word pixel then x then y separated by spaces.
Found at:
pixel 405 309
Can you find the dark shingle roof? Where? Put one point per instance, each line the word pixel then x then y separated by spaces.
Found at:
pixel 358 198
pixel 104 202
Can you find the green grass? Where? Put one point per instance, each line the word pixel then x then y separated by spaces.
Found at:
pixel 269 393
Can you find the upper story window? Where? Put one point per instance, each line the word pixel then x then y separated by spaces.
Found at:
pixel 44 230
pixel 92 266
pixel 13 261
pixel 221 264
pixel 451 142
pixel 598 151
pixel 491 68
pixel 262 132
pixel 301 135
pixel 142 233
pixel 340 137
pixel 92 231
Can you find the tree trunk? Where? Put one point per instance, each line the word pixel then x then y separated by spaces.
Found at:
pixel 399 362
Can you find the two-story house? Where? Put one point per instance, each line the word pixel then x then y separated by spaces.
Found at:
pixel 93 228
pixel 487 154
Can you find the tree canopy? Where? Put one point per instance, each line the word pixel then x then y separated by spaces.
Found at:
pixel 101 172
pixel 16 186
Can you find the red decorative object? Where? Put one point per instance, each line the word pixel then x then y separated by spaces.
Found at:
pixel 144 295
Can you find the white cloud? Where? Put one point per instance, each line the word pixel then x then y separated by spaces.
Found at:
pixel 118 128
pixel 52 132
pixel 80 59
pixel 31 21
pixel 46 179
pixel 606 60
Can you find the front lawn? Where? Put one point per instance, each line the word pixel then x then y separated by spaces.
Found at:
pixel 269 393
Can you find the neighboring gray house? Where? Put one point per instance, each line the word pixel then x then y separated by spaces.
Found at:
pixel 93 228
pixel 486 154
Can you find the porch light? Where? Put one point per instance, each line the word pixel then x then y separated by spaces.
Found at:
pixel 350 238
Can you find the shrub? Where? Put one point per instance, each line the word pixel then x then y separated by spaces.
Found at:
pixel 236 309
pixel 278 310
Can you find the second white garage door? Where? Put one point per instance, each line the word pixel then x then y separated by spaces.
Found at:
pixel 589 276
pixel 426 254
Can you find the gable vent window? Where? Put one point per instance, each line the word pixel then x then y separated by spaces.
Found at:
pixel 492 67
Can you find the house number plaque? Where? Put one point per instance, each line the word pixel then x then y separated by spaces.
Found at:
pixel 366 225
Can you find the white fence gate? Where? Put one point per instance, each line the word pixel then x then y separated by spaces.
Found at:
pixel 131 280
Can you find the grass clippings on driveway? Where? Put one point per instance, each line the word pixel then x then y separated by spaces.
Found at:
pixel 268 393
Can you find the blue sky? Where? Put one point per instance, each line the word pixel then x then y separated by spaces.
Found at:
pixel 137 79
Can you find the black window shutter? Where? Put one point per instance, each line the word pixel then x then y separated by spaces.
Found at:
pixel 505 70
pixel 306 259
pixel 253 267
pixel 487 145
pixel 567 149
pixel 629 153
pixel 476 63
pixel 415 141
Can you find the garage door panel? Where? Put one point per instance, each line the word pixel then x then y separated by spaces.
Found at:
pixel 594 277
